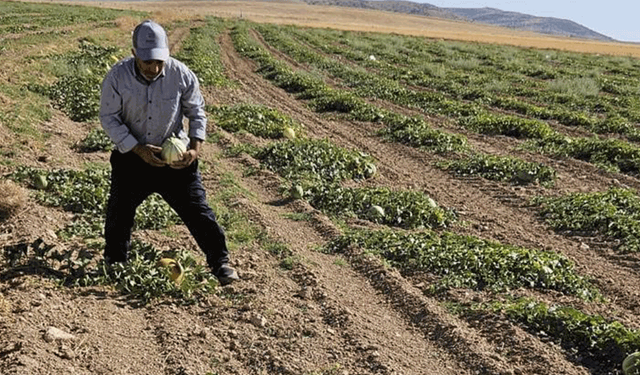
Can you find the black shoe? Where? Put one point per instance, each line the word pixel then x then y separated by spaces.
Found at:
pixel 226 274
pixel 110 261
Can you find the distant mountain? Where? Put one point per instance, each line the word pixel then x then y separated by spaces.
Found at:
pixel 545 25
pixel 408 7
pixel 492 16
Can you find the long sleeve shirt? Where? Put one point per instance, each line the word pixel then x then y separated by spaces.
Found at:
pixel 135 111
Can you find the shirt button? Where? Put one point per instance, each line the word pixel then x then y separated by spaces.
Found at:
pixel 149 117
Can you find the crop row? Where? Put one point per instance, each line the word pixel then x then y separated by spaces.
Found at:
pixel 324 98
pixel 201 52
pixel 601 344
pixel 614 214
pixel 469 262
pixel 80 73
pixel 320 162
pixel 259 120
pixel 582 148
pixel 85 193
pixel 458 261
pixel 594 92
pixel 410 130
pixel 462 261
pixel 619 155
pixel 16 16
pixel 139 277
pixel 317 167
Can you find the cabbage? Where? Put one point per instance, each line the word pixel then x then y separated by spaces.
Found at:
pixel 376 211
pixel 172 149
pixel 631 364
pixel 297 192
pixel 176 273
pixel 289 133
pixel 370 170
pixel 431 202
pixel 41 182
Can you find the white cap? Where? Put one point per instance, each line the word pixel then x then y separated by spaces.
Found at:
pixel 150 41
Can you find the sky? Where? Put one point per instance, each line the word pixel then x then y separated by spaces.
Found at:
pixel 618 19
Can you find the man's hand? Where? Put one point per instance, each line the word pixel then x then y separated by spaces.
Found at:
pixel 150 154
pixel 188 156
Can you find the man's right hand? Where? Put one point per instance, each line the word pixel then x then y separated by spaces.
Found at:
pixel 150 154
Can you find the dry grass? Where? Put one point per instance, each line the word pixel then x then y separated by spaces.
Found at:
pixel 12 198
pixel 126 23
pixel 5 306
pixel 364 20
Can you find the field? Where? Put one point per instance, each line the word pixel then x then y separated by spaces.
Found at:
pixel 400 196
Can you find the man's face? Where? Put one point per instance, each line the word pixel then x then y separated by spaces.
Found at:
pixel 149 68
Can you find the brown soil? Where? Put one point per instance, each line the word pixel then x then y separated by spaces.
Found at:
pixel 330 314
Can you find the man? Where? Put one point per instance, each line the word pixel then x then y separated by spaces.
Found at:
pixel 144 99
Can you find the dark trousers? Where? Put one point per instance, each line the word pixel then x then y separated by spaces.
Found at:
pixel 133 180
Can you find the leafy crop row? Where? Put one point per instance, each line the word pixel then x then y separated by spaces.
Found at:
pixel 324 98
pixel 470 262
pixel 510 126
pixel 608 153
pixel 77 90
pixel 498 76
pixel 616 153
pixel 85 193
pixel 16 16
pixel 96 140
pixel 318 166
pixel 140 278
pixel 73 190
pixel 258 120
pixel 404 209
pixel 455 261
pixel 593 340
pixel 501 168
pixel 365 83
pixel 201 52
pixel 614 213
pixel 315 161
pixel 414 130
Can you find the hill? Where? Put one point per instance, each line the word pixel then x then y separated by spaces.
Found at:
pixel 491 16
pixel 407 7
pixel 544 25
pixel 466 207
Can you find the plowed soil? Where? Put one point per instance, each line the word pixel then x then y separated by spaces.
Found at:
pixel 330 314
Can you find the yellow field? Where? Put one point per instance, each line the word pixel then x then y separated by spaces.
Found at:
pixel 365 20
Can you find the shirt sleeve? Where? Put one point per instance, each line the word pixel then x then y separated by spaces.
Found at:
pixel 193 108
pixel 111 115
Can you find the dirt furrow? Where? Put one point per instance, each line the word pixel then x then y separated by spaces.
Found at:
pixel 494 210
pixel 370 336
pixel 346 297
pixel 354 136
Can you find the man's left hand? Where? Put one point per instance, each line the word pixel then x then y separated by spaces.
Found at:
pixel 188 157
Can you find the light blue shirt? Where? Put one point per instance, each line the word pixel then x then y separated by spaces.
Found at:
pixel 134 111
